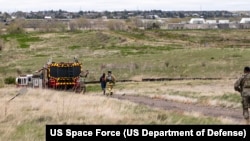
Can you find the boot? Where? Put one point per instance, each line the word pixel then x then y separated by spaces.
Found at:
pixel 245 113
pixel 247 121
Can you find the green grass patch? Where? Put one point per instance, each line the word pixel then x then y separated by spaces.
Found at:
pixel 41 55
pixel 232 97
pixel 74 47
pixel 64 37
pixel 137 34
pixel 94 88
pixel 172 35
pixel 171 117
pixel 24 45
pixel 143 49
pixel 23 39
pixel 193 120
pixel 29 131
pixel 185 94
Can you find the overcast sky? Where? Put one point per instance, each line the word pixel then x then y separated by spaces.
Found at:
pixel 121 5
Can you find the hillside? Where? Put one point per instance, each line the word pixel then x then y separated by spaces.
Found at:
pixel 130 54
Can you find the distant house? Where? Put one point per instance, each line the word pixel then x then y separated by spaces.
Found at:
pixel 48 17
pixel 211 21
pixel 245 20
pixel 197 21
pixel 223 21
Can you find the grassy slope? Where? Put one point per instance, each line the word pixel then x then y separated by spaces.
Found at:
pixel 197 53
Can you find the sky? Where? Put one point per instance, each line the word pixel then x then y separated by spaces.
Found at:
pixel 121 5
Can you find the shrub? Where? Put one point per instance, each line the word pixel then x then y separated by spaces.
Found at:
pixel 9 80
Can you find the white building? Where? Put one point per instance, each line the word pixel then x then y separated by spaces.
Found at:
pixel 211 21
pixel 245 20
pixel 223 21
pixel 197 21
pixel 48 17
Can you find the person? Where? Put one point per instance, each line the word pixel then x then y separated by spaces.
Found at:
pixel 111 80
pixel 81 81
pixel 84 74
pixel 103 83
pixel 242 85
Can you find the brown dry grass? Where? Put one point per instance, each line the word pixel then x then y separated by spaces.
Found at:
pixel 25 117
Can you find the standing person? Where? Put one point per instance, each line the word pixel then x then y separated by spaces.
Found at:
pixel 242 85
pixel 86 73
pixel 81 81
pixel 103 83
pixel 110 78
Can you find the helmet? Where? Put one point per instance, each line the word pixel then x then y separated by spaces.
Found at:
pixel 247 69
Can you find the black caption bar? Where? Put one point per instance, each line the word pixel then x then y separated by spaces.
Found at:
pixel 152 132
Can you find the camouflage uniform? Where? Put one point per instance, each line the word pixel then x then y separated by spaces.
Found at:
pixel 83 78
pixel 80 85
pixel 242 85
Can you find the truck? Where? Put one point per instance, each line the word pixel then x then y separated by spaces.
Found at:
pixel 55 75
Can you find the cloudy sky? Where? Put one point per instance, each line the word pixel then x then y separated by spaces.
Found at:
pixel 120 5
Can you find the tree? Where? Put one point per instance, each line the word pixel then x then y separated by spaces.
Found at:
pixel 73 25
pixel 16 26
pixel 33 24
pixel 116 25
pixel 135 22
pixel 83 23
pixel 152 25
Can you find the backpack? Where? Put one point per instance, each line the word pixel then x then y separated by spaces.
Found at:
pixel 246 81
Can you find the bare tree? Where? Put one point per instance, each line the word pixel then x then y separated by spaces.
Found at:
pixel 52 25
pixel 16 26
pixel 152 25
pixel 73 25
pixel 83 23
pixel 135 22
pixel 116 25
pixel 35 24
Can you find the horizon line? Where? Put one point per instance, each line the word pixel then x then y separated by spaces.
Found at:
pixel 116 10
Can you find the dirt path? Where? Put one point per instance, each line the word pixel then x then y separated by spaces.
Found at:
pixel 234 114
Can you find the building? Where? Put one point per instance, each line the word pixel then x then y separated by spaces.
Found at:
pixel 48 17
pixel 211 21
pixel 197 21
pixel 223 21
pixel 245 20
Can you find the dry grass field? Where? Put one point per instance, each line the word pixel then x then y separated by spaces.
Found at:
pixel 25 117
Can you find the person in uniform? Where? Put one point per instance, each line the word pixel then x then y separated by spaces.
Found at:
pixel 81 81
pixel 242 85
pixel 110 78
